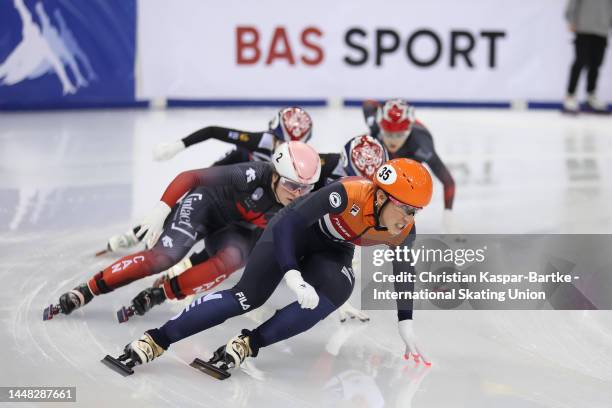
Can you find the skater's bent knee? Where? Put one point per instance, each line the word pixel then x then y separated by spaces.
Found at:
pixel 161 261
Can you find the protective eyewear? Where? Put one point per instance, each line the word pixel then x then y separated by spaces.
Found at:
pixel 295 187
pixel 407 209
pixel 395 135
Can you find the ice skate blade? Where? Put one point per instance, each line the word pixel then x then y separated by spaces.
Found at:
pixel 117 366
pixel 49 312
pixel 210 369
pixel 102 252
pixel 124 314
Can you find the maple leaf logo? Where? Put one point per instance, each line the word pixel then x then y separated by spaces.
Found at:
pixel 254 217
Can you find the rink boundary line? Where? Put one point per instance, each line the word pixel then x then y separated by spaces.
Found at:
pixel 241 103
pixel 162 103
pixel 54 106
pixel 441 104
pixel 512 105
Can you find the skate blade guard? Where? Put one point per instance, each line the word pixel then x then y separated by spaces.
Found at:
pixel 124 314
pixel 210 369
pixel 50 311
pixel 116 365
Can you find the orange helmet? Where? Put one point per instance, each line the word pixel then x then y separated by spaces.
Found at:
pixel 405 180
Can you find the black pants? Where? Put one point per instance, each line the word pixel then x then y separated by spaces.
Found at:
pixel 589 50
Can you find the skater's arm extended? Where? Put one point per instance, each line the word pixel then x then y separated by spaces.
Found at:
pixel 330 162
pixel 404 306
pixel 248 140
pixel 443 174
pixel 369 108
pixel 239 176
pixel 302 215
pixel 427 153
pixel 252 141
pixel 234 156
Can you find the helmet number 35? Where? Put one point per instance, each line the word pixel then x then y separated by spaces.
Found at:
pixel 386 175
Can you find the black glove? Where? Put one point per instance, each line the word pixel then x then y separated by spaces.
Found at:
pixel 148 298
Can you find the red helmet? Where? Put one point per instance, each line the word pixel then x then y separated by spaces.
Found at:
pixel 395 117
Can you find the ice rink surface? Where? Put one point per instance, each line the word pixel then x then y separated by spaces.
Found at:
pixel 69 180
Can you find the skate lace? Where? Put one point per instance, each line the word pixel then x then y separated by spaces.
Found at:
pixel 146 347
pixel 74 299
pixel 242 348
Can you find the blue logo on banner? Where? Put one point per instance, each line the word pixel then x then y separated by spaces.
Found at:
pixel 61 53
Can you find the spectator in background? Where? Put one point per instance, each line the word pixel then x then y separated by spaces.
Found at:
pixel 591 21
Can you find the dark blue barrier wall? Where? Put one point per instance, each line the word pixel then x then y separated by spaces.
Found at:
pixel 67 53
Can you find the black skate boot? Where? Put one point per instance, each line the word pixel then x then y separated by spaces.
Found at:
pixel 229 356
pixel 142 303
pixel 69 301
pixel 77 297
pixel 143 350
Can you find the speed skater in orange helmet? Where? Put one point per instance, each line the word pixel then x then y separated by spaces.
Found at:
pixel 309 244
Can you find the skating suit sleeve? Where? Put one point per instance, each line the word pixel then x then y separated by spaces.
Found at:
pixel 344 212
pixel 242 177
pixel 252 141
pixel 331 169
pixel 234 156
pixel 425 152
pixel 370 107
pixel 300 215
pixel 404 306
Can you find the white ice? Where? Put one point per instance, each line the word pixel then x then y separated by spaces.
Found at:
pixel 69 180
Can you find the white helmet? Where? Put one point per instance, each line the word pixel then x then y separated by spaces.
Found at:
pixel 298 165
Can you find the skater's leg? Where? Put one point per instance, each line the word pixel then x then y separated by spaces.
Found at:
pixel 332 277
pixel 206 275
pixel 142 264
pixel 183 226
pixel 227 251
pixel 199 257
pixel 259 279
pixel 181 230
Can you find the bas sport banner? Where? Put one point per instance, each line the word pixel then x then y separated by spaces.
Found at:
pixel 477 50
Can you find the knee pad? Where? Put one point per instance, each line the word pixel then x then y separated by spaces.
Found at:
pixel 162 261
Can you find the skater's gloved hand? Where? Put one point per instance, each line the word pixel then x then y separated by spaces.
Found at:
pixel 347 310
pixel 406 330
pixel 123 241
pixel 166 151
pixel 153 224
pixel 306 295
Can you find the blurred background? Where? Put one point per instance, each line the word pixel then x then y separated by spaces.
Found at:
pixel 477 53
pixel 88 88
